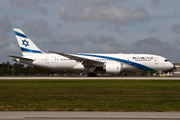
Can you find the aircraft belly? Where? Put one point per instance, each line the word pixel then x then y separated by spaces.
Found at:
pixel 129 68
pixel 138 67
pixel 29 62
pixel 66 65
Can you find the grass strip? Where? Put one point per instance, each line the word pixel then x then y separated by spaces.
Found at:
pixel 89 95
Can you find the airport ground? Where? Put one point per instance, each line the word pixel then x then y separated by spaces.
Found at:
pixel 158 95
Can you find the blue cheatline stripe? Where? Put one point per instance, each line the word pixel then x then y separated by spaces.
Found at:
pixel 21 35
pixel 140 66
pixel 29 50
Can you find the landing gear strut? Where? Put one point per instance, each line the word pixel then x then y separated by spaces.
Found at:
pixel 91 74
pixel 158 74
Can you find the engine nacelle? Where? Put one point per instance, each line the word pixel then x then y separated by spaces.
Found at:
pixel 113 68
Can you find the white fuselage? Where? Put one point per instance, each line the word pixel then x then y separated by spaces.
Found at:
pixel 130 62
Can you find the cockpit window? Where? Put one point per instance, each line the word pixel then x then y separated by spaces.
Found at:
pixel 166 60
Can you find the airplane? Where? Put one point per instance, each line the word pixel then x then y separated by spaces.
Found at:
pixel 90 62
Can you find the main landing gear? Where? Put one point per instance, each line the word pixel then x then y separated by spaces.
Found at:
pixel 91 74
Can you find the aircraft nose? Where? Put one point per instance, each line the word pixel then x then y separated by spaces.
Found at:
pixel 171 66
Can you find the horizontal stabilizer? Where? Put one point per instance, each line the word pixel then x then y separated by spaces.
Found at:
pixel 17 57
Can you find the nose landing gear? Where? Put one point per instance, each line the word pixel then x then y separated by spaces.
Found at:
pixel 159 73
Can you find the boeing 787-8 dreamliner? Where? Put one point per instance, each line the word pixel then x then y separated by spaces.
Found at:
pixel 90 62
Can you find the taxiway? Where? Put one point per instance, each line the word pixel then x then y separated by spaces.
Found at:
pixel 38 115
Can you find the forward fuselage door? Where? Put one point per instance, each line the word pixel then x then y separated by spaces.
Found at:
pixel 47 60
pixel 156 61
pixel 129 60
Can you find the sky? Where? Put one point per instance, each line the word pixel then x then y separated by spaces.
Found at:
pixel 92 26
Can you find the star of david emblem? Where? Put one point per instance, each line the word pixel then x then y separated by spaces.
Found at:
pixel 26 43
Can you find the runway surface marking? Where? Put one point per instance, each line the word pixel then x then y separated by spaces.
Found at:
pixel 32 115
pixel 91 78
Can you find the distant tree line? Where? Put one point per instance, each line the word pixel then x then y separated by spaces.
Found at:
pixel 18 69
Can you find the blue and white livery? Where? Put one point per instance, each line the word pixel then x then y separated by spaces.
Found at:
pixel 111 63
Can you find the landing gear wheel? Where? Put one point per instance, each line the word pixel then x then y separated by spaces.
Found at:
pixel 158 75
pixel 91 74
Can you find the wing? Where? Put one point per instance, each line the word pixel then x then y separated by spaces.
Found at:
pixel 17 57
pixel 77 58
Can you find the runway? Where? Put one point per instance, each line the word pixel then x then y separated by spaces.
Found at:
pixel 38 115
pixel 92 78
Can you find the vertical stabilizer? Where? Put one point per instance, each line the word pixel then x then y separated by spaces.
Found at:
pixel 26 45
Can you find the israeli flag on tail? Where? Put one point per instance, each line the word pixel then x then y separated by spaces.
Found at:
pixel 26 45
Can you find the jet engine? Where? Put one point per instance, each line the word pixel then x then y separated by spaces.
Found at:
pixel 113 68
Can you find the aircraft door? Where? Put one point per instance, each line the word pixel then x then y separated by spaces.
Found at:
pixel 129 60
pixel 47 61
pixel 156 61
